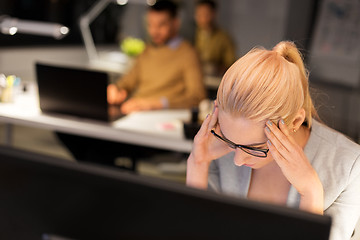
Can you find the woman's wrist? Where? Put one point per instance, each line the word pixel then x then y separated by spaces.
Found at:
pixel 312 200
pixel 197 172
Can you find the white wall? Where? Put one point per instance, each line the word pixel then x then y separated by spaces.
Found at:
pixel 20 61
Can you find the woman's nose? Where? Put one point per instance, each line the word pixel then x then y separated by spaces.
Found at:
pixel 240 157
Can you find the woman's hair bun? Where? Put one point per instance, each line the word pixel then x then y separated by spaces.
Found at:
pixel 289 51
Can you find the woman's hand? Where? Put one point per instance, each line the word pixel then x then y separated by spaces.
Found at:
pixel 206 146
pixel 205 149
pixel 295 166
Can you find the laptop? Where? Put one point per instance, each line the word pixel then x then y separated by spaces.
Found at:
pixel 76 92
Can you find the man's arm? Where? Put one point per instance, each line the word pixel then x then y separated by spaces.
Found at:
pixel 123 87
pixel 130 80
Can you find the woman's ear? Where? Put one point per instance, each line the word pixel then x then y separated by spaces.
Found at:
pixel 298 120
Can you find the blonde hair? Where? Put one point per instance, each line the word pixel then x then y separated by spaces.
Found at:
pixel 267 84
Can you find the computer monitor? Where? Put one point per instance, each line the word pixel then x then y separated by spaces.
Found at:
pixel 43 197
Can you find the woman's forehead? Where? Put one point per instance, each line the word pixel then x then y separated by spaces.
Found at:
pixel 241 130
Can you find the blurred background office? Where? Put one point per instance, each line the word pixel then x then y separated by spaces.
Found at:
pixel 327 31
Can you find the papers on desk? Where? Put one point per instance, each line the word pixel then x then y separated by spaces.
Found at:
pixel 165 122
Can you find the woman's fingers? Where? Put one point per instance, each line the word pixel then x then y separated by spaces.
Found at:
pixel 208 124
pixel 285 130
pixel 276 148
pixel 214 118
pixel 280 138
pixel 281 161
pixel 204 127
pixel 280 141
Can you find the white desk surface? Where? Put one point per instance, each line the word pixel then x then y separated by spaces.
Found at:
pixel 145 128
pixel 160 129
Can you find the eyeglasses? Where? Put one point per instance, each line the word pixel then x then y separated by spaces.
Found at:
pixel 249 150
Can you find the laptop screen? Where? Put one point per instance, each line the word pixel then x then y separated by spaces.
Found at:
pixel 76 92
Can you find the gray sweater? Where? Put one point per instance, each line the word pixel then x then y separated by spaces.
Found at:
pixel 336 160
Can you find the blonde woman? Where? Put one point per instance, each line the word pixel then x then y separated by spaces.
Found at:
pixel 263 142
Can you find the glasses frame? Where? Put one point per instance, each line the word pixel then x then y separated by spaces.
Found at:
pixel 242 147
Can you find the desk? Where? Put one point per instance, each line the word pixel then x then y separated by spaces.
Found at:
pixel 142 128
pixel 139 128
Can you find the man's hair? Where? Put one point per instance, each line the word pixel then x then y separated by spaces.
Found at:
pixel 209 3
pixel 165 6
